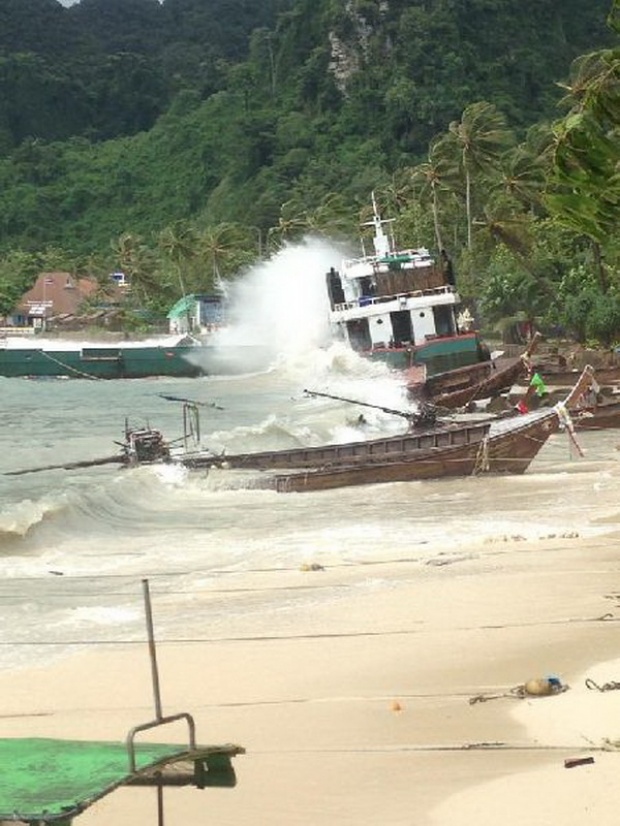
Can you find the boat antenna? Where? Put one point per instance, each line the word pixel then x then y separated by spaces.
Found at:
pixel 382 243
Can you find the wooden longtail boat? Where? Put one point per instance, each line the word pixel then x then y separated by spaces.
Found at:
pixel 458 388
pixel 510 447
pixel 370 453
pixel 553 377
pixel 599 417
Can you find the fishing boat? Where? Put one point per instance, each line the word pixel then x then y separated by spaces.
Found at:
pixel 598 416
pixel 398 306
pixel 510 446
pixel 459 388
pixel 448 449
pixel 506 445
pixel 371 453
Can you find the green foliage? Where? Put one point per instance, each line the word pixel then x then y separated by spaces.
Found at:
pixel 201 135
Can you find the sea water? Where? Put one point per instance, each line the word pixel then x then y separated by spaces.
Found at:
pixel 76 545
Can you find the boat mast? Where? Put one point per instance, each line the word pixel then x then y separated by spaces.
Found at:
pixel 383 243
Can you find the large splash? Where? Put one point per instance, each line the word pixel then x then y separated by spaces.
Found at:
pixel 278 310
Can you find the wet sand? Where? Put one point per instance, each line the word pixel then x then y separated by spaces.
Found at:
pixel 359 712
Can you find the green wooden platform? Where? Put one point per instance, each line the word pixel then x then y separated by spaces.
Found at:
pixel 51 781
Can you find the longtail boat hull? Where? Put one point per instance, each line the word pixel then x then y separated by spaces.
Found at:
pixel 372 452
pixel 601 417
pixel 458 388
pixel 434 464
pixel 510 449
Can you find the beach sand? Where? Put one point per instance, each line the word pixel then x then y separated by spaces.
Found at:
pixel 357 710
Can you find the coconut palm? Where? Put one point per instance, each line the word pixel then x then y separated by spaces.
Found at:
pixel 433 179
pixel 290 227
pixel 139 264
pixel 179 243
pixel 585 184
pixel 223 247
pixel 477 141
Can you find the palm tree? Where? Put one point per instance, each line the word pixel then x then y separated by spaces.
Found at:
pixel 179 243
pixel 223 246
pixel 585 184
pixel 332 217
pixel 139 263
pixel 289 227
pixel 478 141
pixel 433 179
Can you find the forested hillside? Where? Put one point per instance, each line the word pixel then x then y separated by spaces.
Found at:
pixel 154 136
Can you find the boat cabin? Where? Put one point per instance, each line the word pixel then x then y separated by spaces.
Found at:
pixel 391 298
pixel 399 300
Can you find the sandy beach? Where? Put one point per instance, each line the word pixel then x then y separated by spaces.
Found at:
pixel 359 712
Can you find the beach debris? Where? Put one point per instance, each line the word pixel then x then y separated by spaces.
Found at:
pixel 570 763
pixel 539 687
pixel 311 566
pixel 612 686
pixel 543 687
pixel 396 706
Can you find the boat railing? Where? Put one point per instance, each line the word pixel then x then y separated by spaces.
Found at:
pixel 368 300
pixel 421 257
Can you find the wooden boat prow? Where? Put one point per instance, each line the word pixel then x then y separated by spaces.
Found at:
pixel 459 388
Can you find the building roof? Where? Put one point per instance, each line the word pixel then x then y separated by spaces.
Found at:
pixel 56 292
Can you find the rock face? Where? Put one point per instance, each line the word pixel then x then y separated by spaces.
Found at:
pixel 346 57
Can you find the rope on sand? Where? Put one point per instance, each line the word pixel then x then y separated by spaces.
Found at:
pixel 541 687
pixel 612 686
pixel 516 693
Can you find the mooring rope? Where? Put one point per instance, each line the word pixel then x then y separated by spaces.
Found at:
pixel 71 369
pixel 612 686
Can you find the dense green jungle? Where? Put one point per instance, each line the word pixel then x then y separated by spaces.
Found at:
pixel 180 141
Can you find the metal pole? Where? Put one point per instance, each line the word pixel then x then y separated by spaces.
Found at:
pixel 152 652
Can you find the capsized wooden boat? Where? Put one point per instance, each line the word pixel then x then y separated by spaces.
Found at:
pixel 510 447
pixel 458 388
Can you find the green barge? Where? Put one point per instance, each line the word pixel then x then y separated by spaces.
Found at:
pixel 109 362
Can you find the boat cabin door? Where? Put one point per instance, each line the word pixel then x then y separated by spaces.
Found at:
pixel 358 334
pixel 402 328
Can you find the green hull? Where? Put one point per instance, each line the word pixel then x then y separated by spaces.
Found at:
pixel 102 362
pixel 438 355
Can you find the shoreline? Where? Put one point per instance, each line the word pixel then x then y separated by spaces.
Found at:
pixel 358 709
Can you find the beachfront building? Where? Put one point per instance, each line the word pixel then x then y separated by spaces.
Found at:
pixel 196 314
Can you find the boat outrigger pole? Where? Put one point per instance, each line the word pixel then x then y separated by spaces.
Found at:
pixel 107 460
pixel 427 418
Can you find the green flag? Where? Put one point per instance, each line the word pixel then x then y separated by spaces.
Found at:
pixel 538 384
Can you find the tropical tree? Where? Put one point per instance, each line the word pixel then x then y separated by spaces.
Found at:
pixel 179 243
pixel 223 248
pixel 477 142
pixel 433 180
pixel 148 286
